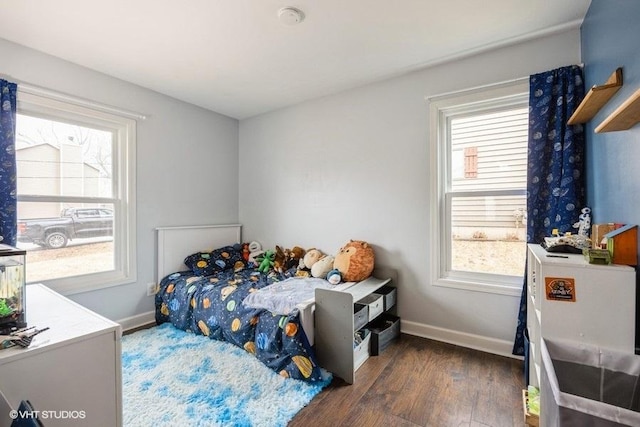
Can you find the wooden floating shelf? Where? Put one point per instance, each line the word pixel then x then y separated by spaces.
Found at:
pixel 596 98
pixel 624 117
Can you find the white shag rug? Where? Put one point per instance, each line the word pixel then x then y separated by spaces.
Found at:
pixel 171 378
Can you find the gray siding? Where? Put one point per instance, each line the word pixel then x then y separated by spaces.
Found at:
pixel 500 140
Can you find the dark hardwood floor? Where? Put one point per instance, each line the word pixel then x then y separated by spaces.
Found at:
pixel 421 382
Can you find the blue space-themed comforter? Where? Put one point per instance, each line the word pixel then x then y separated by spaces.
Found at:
pixel 212 306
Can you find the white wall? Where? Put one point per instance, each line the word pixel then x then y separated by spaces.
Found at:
pixel 355 166
pixel 352 165
pixel 187 162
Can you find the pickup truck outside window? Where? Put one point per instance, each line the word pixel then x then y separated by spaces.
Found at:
pixel 74 223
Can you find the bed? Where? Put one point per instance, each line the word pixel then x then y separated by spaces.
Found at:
pixel 208 300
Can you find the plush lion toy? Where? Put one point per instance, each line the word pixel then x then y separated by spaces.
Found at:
pixel 355 261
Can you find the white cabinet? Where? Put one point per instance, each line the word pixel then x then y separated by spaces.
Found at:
pixel 75 366
pixel 336 325
pixel 572 300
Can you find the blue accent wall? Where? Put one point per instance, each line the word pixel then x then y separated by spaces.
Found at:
pixel 611 39
pixel 610 36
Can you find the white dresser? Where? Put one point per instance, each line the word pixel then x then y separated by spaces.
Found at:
pixel 72 371
pixel 570 299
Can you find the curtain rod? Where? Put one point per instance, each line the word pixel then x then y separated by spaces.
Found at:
pixel 72 99
pixel 476 88
pixel 483 87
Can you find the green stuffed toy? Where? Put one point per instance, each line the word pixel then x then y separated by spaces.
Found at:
pixel 267 261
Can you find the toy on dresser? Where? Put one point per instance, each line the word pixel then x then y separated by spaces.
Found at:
pixel 584 223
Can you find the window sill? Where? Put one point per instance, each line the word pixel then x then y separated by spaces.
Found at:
pixel 92 282
pixel 502 288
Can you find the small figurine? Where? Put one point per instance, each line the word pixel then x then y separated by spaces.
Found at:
pixel 584 224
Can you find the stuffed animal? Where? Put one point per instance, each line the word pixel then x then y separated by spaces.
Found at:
pixel 302 273
pixel 287 258
pixel 267 261
pixel 311 257
pixel 334 277
pixel 279 260
pixel 306 262
pixel 255 250
pixel 322 267
pixel 355 261
pixel 293 257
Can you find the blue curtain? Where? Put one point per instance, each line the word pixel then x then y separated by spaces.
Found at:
pixel 8 204
pixel 555 170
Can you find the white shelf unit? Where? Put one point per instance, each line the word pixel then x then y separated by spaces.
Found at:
pixel 603 313
pixel 334 320
pixel 75 365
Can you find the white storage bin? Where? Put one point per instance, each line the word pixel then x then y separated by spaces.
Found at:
pixel 361 351
pixel 375 303
pixel 583 385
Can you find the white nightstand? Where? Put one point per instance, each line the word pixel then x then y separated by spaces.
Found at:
pixel 72 370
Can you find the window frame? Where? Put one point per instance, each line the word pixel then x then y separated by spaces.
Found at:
pixel 441 109
pixel 123 198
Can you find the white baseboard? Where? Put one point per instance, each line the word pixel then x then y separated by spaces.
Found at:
pixel 138 320
pixel 476 342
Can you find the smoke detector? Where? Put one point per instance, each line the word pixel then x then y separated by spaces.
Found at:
pixel 290 15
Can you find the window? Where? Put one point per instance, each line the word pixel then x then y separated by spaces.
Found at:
pixel 479 158
pixel 76 198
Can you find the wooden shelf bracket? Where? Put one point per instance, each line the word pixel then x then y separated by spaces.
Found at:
pixel 596 98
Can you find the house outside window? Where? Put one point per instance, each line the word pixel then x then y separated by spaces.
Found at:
pixel 478 148
pixel 76 193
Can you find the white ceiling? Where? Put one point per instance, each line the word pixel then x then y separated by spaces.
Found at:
pixel 235 57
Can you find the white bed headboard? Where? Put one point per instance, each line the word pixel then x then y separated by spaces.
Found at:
pixel 174 244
